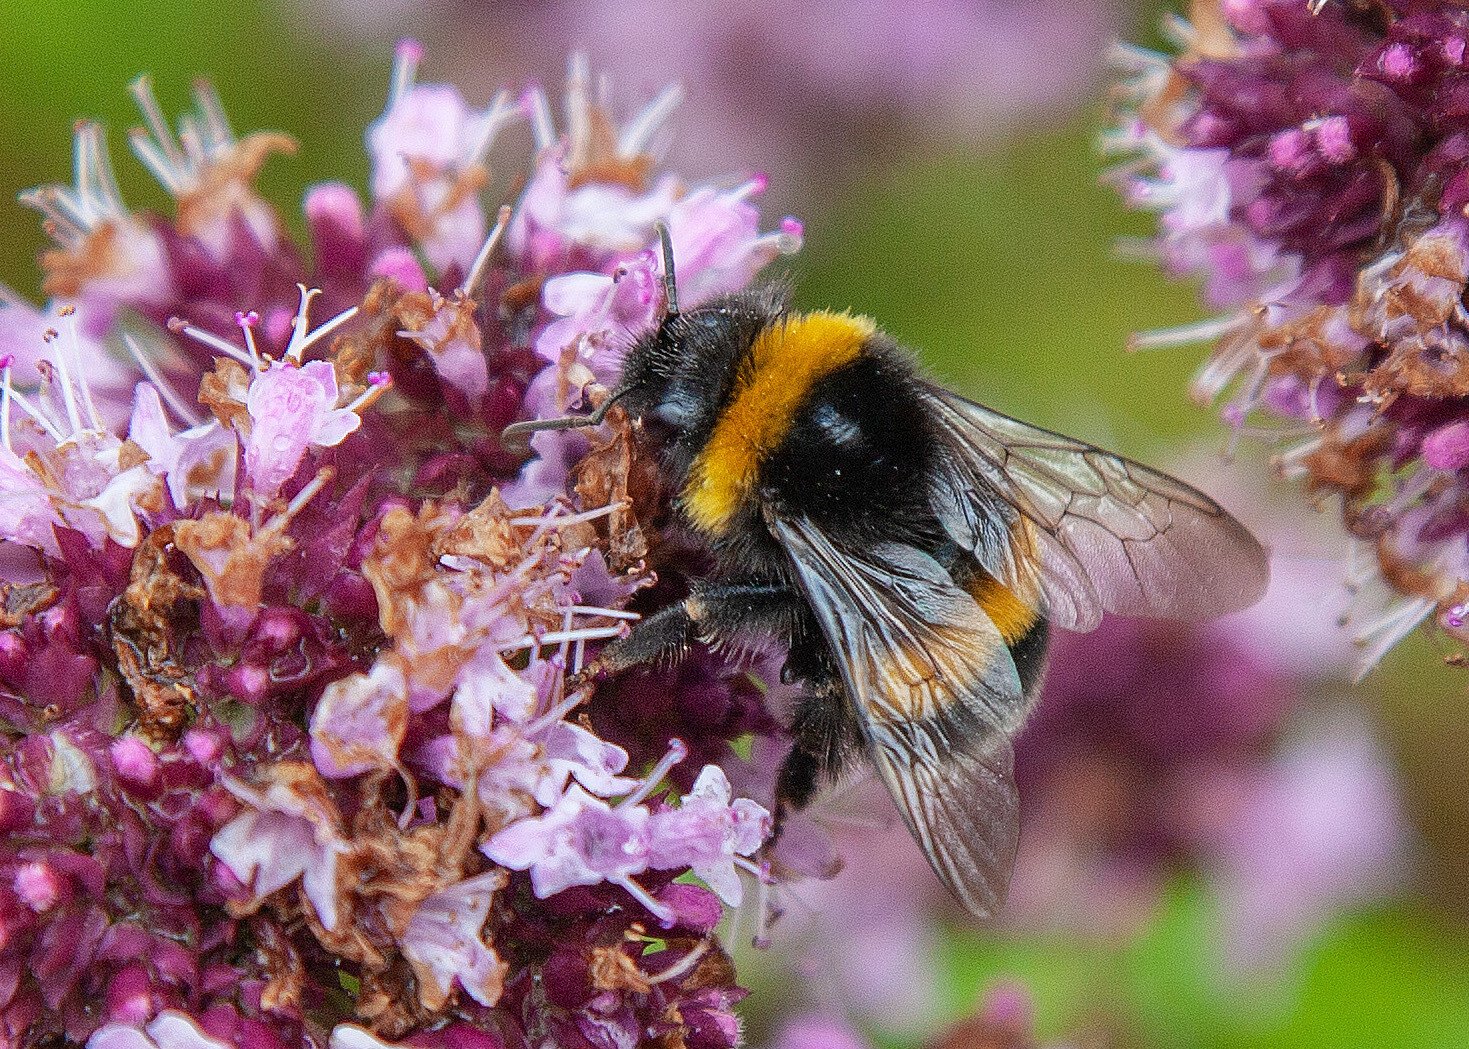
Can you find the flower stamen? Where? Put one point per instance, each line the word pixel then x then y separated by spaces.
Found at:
pixel 160 154
pixel 663 913
pixel 1378 637
pixel 378 383
pixel 637 136
pixel 180 326
pixel 323 477
pixel 246 323
pixel 406 58
pixel 165 389
pixel 74 212
pixel 677 751
pixel 302 338
pixel 555 637
pixel 538 112
pixel 1192 334
pixel 482 260
pixel 36 414
pixel 683 966
pixel 68 395
pixel 6 362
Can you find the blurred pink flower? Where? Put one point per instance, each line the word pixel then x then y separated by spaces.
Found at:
pixel 1236 755
pixel 817 1031
pixel 865 939
pixel 814 91
pixel 1319 830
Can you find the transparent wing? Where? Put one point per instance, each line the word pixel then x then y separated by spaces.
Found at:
pixel 1083 531
pixel 938 697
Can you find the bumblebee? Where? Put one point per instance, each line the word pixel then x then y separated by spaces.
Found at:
pixel 910 548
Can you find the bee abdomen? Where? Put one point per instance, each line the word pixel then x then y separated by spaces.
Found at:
pixel 1022 626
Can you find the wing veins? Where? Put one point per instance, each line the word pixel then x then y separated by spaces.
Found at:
pixel 1111 534
pixel 942 749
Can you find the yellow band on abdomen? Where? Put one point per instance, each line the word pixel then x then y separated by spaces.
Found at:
pixel 786 360
pixel 1013 617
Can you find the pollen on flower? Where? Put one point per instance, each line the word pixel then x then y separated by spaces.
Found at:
pixel 294 661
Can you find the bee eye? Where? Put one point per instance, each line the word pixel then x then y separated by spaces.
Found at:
pixel 675 412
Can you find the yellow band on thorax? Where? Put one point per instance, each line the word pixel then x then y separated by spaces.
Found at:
pixel 786 359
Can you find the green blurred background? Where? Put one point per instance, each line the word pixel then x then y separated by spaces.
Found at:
pixel 999 265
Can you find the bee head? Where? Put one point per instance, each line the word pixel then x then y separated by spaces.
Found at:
pixel 676 378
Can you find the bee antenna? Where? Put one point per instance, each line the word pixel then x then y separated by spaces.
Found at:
pixel 670 289
pixel 516 436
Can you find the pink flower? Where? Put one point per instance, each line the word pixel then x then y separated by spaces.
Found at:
pixel 707 832
pixel 508 787
pixel 1282 148
pixel 359 722
pixel 24 337
pixel 489 692
pixel 816 1031
pixel 1447 448
pixel 603 218
pixel 288 830
pixel 428 150
pixel 81 481
pixel 198 463
pixel 1319 831
pixel 25 506
pixel 292 408
pixel 597 318
pixel 134 760
pixel 718 244
pixel 454 344
pixel 338 223
pixel 39 886
pixel 594 311
pixel 211 173
pixel 214 699
pixel 106 256
pixel 424 125
pixel 61 454
pixel 581 840
pixel 574 753
pixel 444 942
pixel 170 1029
pixel 401 265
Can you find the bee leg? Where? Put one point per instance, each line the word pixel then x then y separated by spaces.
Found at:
pixel 825 730
pixel 715 613
pixel 661 638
